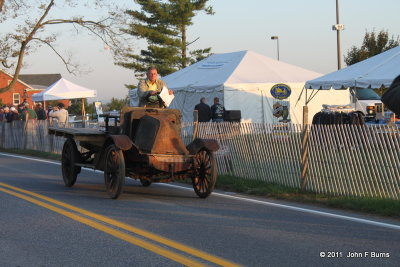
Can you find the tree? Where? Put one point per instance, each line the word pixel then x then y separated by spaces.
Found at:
pixel 30 22
pixel 115 104
pixel 373 44
pixel 163 24
pixel 76 106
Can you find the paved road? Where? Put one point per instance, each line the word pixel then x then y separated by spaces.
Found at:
pixel 43 223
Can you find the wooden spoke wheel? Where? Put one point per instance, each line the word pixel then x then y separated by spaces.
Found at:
pixel 114 171
pixel 145 183
pixel 205 173
pixel 70 156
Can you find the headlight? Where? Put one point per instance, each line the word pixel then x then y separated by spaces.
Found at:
pixel 370 110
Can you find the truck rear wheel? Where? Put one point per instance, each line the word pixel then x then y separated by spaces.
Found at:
pixel 205 173
pixel 114 171
pixel 70 156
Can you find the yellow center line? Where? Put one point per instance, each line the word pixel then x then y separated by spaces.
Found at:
pixel 148 235
pixel 133 240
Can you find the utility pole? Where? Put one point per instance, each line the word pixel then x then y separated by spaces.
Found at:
pixel 277 44
pixel 338 27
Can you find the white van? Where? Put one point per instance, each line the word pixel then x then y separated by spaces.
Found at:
pixel 366 101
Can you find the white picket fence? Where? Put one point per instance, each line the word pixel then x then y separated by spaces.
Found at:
pixel 33 135
pixel 342 160
pixel 345 160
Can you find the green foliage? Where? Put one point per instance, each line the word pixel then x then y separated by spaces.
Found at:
pixel 163 24
pixel 199 54
pixel 115 104
pixel 52 103
pixel 373 44
pixel 76 107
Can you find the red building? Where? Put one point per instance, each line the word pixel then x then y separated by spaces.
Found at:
pixel 25 87
pixel 18 93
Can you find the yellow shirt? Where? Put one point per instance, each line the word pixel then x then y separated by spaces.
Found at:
pixel 144 87
pixel 152 87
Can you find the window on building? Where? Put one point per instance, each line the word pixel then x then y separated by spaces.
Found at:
pixel 16 99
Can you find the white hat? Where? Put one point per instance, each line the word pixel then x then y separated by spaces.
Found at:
pixel 12 109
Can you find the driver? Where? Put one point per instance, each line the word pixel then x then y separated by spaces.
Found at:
pixel 149 89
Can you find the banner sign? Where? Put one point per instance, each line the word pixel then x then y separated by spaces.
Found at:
pixel 281 91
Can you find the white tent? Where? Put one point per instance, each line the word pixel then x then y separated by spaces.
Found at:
pixel 374 72
pixel 64 89
pixel 243 80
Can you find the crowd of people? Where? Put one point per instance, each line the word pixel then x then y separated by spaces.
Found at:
pixel 23 112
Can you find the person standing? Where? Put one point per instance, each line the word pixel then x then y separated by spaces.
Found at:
pixel 12 115
pixel 60 114
pixel 149 89
pixel 217 111
pixel 41 113
pixel 204 110
pixel 28 113
pixel 49 109
pixel 7 115
pixel 2 114
pixel 20 108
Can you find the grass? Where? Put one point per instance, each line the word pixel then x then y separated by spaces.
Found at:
pixel 33 153
pixel 384 207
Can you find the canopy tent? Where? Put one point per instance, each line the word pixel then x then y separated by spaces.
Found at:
pixel 64 89
pixel 243 81
pixel 374 72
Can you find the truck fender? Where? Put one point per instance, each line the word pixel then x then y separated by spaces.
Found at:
pixel 122 141
pixel 198 144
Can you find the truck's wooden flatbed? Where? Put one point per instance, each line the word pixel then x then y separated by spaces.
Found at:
pixel 80 134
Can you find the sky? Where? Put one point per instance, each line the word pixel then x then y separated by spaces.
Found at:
pixel 304 28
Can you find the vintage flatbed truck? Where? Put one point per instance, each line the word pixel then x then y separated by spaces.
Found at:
pixel 143 144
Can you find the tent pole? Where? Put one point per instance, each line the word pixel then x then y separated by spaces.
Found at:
pixel 262 107
pixel 301 93
pixel 304 146
pixel 83 110
pixel 306 97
